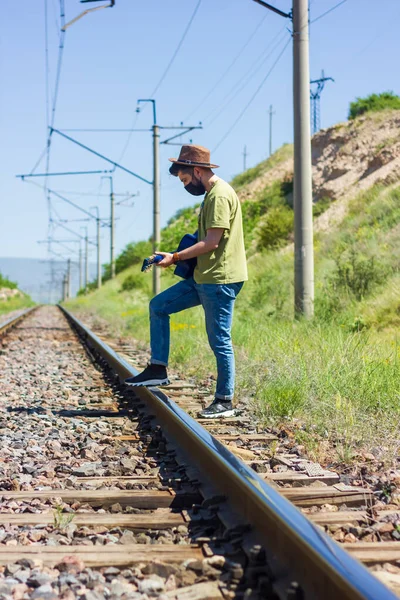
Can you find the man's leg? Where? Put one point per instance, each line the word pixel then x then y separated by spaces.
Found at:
pixel 175 299
pixel 218 302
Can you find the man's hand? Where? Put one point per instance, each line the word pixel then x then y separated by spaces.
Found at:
pixel 167 261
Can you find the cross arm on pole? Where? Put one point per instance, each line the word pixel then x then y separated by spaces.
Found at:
pixel 116 165
pixel 26 175
pixel 274 9
pixel 87 11
pixel 185 130
pixel 82 237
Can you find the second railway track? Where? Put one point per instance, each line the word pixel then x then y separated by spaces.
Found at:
pixel 108 494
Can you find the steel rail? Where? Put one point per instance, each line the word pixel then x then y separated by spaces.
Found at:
pixel 15 320
pixel 302 552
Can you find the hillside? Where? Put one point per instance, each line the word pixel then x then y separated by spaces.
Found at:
pixel 11 298
pixel 336 378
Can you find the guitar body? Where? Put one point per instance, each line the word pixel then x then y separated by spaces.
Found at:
pixel 185 268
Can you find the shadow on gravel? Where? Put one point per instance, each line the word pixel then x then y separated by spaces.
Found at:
pixel 71 413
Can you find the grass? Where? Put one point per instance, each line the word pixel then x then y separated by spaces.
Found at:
pixel 16 303
pixel 335 381
pixel 374 103
pixel 282 154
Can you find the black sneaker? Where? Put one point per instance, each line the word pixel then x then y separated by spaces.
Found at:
pixel 217 409
pixel 152 375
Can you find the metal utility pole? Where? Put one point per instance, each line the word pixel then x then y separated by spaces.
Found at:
pixel 244 157
pixel 270 112
pixel 302 182
pixel 112 226
pixel 98 246
pixel 315 97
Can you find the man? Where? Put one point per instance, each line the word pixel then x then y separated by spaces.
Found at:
pixel 218 278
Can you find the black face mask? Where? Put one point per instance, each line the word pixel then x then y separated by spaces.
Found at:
pixel 196 189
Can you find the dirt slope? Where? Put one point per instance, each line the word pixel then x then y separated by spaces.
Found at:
pixel 346 158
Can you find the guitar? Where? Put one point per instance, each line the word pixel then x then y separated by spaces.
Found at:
pixel 184 268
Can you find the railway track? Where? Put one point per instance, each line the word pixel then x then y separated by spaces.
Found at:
pixel 108 492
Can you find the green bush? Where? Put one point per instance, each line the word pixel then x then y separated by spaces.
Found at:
pixel 6 283
pixel 133 282
pixel 320 206
pixel 282 154
pixel 357 273
pixel 273 196
pixel 374 103
pixel 276 228
pixel 184 221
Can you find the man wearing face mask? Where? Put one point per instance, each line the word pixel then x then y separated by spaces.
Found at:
pixel 218 278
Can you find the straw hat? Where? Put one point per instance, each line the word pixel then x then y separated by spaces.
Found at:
pixel 194 156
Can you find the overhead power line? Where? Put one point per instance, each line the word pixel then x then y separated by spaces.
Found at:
pixel 176 50
pixel 243 81
pixel 126 145
pixel 328 11
pixel 55 97
pixel 225 73
pixel 253 96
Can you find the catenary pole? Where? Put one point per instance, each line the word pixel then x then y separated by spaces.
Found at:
pixel 156 204
pixel 112 229
pixel 302 182
pixel 86 261
pixel 98 255
pixel 69 278
pixel 112 225
pixel 80 267
pixel 96 208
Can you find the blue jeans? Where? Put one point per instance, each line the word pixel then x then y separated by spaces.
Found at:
pixel 217 301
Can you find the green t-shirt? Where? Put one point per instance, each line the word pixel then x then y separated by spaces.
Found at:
pixel 226 264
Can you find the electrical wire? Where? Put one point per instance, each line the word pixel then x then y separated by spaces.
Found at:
pixel 242 83
pixel 46 52
pixel 125 148
pixel 225 73
pixel 177 49
pixel 253 97
pixel 328 11
pixel 55 98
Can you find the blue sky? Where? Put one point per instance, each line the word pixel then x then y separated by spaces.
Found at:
pixel 114 56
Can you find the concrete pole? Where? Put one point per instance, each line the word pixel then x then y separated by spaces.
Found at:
pixel 86 261
pixel 98 254
pixel 80 267
pixel 64 288
pixel 156 205
pixel 302 183
pixel 112 230
pixel 69 278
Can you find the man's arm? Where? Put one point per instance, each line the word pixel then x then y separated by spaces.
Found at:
pixel 210 243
